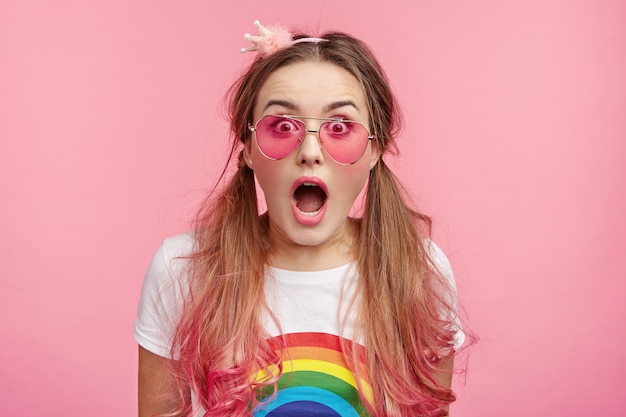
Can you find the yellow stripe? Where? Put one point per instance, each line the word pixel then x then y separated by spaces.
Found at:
pixel 315 365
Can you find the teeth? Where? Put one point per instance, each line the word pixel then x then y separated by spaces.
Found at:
pixel 310 213
pixel 309 184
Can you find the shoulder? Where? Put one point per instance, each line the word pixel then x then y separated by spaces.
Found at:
pixel 440 260
pixel 177 246
pixel 162 294
pixel 442 266
pixel 169 258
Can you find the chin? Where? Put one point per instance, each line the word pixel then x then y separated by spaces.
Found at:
pixel 316 235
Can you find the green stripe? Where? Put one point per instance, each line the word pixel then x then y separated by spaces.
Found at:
pixel 319 380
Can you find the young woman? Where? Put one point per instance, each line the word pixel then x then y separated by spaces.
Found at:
pixel 302 310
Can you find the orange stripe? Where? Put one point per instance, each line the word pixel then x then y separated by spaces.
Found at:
pixel 322 340
pixel 309 352
pixel 317 353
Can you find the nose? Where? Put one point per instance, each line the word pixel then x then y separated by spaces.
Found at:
pixel 310 150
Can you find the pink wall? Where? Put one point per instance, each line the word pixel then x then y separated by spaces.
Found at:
pixel 110 128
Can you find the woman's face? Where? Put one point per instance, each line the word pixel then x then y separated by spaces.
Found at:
pixel 309 195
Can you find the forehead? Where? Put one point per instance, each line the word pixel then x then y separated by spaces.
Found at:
pixel 311 87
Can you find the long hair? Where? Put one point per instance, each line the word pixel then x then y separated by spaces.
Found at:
pixel 404 307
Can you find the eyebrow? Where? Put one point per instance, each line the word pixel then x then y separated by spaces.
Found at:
pixel 283 103
pixel 338 104
pixel 293 107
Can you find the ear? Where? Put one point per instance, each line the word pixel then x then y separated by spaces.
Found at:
pixel 375 154
pixel 247 153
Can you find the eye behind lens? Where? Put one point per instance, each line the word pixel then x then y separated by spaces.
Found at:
pixel 281 125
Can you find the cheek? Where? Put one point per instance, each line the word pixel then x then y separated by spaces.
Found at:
pixel 360 171
pixel 263 168
pixel 353 180
pixel 267 175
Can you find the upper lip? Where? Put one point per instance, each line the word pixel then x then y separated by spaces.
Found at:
pixel 309 180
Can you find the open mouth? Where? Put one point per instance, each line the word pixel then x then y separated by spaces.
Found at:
pixel 309 198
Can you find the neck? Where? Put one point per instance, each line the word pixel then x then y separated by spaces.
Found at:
pixel 333 253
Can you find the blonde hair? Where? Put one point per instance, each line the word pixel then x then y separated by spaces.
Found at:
pixel 405 309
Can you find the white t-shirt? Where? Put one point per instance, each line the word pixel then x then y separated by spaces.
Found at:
pixel 311 307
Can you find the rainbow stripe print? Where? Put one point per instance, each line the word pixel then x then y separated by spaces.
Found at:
pixel 315 381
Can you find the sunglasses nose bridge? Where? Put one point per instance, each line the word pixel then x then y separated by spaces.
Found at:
pixel 310 149
pixel 315 132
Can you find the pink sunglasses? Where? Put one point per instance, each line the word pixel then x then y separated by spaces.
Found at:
pixel 344 141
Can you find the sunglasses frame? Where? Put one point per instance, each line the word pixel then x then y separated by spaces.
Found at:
pixel 253 128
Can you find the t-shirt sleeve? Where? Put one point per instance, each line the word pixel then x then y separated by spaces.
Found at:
pixel 162 297
pixel 443 265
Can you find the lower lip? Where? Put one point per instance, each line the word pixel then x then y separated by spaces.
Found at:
pixel 308 219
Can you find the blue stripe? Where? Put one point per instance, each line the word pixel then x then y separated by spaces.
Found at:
pixel 306 396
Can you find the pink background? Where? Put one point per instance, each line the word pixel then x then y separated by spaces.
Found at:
pixel 111 128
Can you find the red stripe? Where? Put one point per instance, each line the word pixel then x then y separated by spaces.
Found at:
pixel 323 340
